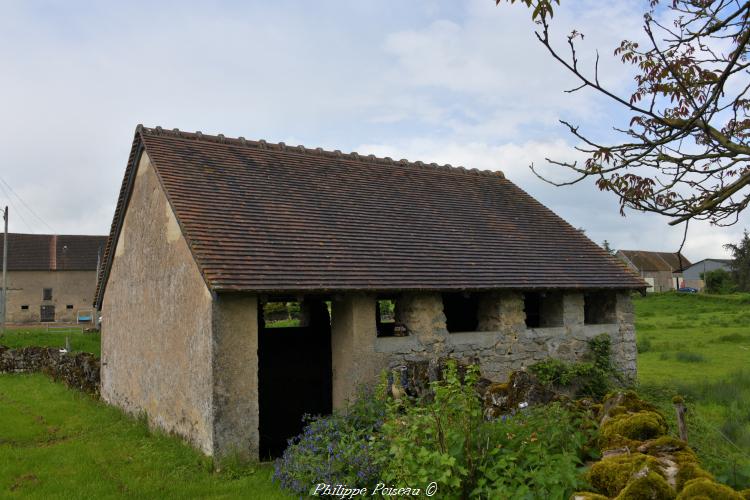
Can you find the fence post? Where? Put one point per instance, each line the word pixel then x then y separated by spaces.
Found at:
pixel 681 410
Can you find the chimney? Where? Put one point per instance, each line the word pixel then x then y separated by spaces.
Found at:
pixel 53 253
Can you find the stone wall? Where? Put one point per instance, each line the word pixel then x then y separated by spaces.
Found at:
pixel 235 376
pixel 354 360
pixel 505 344
pixel 157 314
pixel 69 288
pixel 80 371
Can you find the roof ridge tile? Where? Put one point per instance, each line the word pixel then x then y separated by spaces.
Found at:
pixel 281 146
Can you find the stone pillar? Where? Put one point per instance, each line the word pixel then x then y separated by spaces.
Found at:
pixel 422 314
pixel 624 351
pixel 501 312
pixel 235 376
pixel 573 310
pixel 353 336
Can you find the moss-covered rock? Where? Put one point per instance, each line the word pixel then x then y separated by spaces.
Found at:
pixel 631 429
pixel 663 444
pixel 705 487
pixel 612 474
pixel 587 495
pixel 689 471
pixel 650 486
pixel 626 399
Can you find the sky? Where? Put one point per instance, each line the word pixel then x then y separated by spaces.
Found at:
pixel 464 83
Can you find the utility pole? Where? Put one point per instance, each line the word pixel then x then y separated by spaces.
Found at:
pixel 5 272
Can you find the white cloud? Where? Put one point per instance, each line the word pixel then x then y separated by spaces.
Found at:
pixel 464 83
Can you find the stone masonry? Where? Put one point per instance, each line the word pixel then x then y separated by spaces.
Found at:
pixel 504 343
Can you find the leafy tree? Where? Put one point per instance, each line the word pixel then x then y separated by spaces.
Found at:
pixel 718 281
pixel 684 153
pixel 741 262
pixel 607 248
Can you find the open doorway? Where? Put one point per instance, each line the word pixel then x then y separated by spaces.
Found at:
pixel 294 368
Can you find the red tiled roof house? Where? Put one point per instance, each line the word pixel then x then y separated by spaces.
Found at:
pixel 51 278
pixel 208 230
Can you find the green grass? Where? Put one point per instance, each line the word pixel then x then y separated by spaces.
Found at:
pixel 699 346
pixel 24 337
pixel 60 443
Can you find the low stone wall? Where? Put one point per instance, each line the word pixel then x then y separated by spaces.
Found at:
pixel 79 371
pixel 505 344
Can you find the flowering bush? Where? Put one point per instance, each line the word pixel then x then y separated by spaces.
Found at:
pixel 335 449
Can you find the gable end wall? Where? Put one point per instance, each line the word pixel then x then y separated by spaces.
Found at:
pixel 157 320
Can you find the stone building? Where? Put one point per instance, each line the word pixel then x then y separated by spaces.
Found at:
pixel 51 278
pixel 209 230
pixel 661 270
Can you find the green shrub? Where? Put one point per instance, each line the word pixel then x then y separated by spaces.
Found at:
pixel 532 454
pixel 643 345
pixel 592 378
pixel 719 281
pixel 690 357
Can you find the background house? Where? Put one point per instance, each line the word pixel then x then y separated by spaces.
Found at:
pixel 663 271
pixel 694 274
pixel 209 230
pixel 51 277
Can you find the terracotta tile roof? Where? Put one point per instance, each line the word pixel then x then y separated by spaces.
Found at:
pixel 656 261
pixel 270 217
pixel 51 252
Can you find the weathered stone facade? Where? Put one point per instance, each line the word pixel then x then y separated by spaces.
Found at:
pixel 69 288
pixel 504 343
pixel 171 349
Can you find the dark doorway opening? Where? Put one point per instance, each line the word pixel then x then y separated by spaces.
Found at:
pixel 294 374
pixel 47 314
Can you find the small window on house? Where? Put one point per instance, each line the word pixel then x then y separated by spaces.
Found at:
pixel 599 308
pixel 25 307
pixel 386 321
pixel 281 314
pixel 47 294
pixel 69 306
pixel 461 312
pixel 543 309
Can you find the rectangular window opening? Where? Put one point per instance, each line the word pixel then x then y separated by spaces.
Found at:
pixel 25 307
pixel 281 314
pixel 543 309
pixel 47 294
pixel 599 308
pixel 386 318
pixel 69 306
pixel 461 311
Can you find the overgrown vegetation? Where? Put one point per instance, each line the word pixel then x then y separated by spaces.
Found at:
pixel 719 281
pixel 593 377
pixel 533 453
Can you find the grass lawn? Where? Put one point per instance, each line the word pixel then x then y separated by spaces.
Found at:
pixel 699 346
pixel 59 443
pixel 24 336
